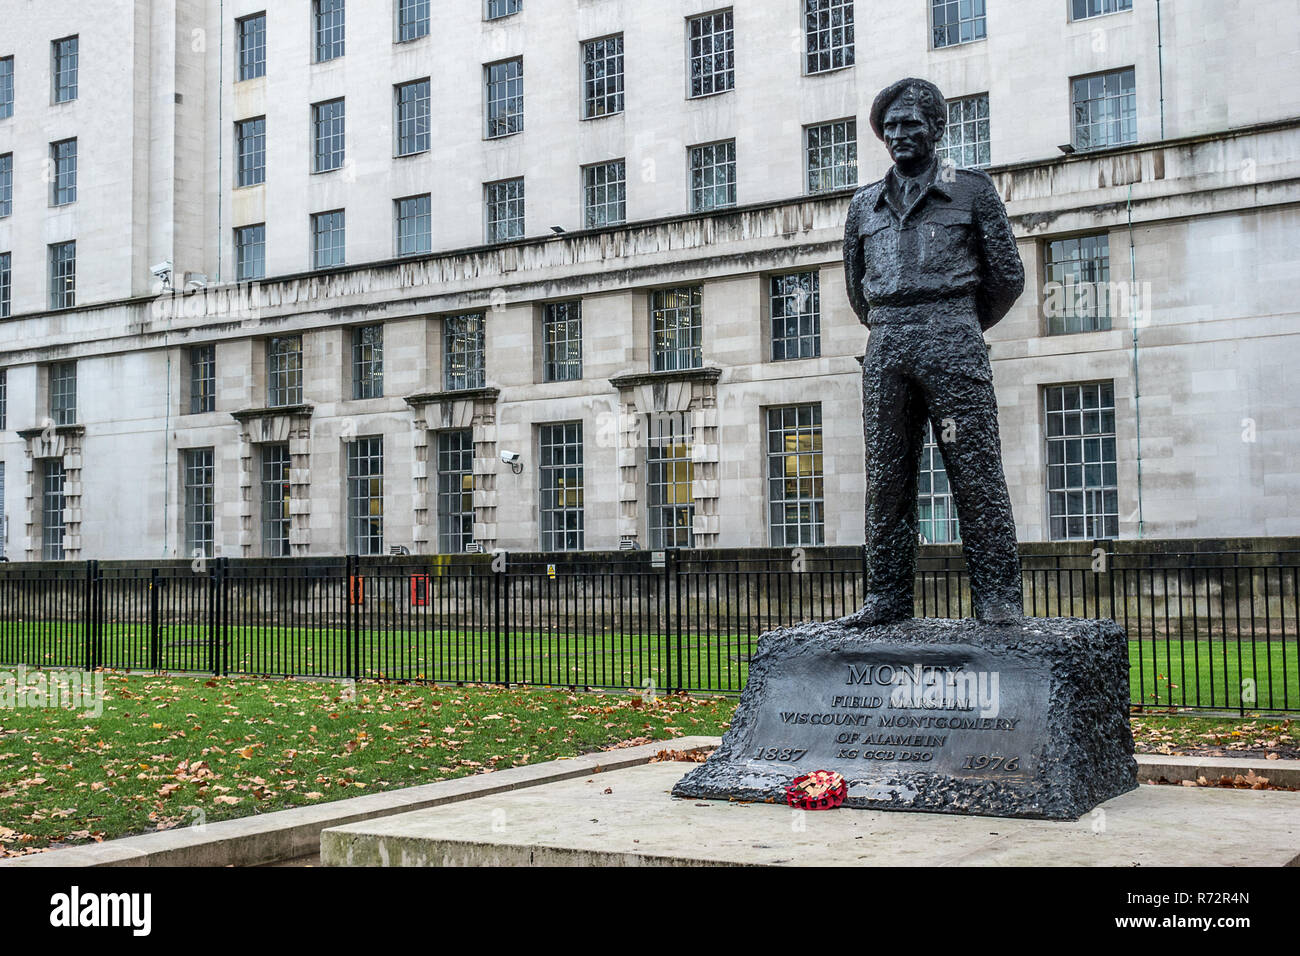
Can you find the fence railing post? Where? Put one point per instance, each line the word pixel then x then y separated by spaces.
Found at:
pixel 508 605
pixel 1110 581
pixel 87 619
pixel 213 599
pixel 496 627
pixel 677 618
pixel 92 613
pixel 353 590
pixel 862 558
pixel 223 617
pixel 666 619
pixel 155 649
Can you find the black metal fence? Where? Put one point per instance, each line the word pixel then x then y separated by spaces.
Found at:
pixel 1207 631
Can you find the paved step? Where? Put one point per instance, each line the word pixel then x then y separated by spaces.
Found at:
pixel 628 818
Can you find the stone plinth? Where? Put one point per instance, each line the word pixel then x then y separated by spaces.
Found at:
pixel 1022 720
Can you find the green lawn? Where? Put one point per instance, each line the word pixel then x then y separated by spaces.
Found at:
pixel 1175 672
pixel 1215 673
pixel 182 751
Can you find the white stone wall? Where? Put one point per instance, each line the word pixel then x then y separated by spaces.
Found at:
pixel 1213 229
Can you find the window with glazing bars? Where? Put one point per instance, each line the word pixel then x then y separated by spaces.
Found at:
pixel 328 122
pixel 6 184
pixel 199 502
pixel 63 69
pixel 604 189
pixel 1105 109
pixel 462 351
pixel 561 483
pixel 1082 490
pixel 455 470
pixel 713 176
pixel 203 379
pixel 414 225
pixel 670 499
pixel 250 34
pixel 957 21
pixel 6 87
pixel 936 510
pixel 505 210
pixel 966 137
pixel 250 142
pixel 505 97
pixel 328 246
pixel 4 398
pixel 711 42
pixel 63 166
pixel 1083 9
pixel 63 275
pixel 796 496
pixel 329 29
pixel 52 527
pixel 1076 295
pixel 832 156
pixel 284 371
pixel 366 495
pixel 502 8
pixel 412 19
pixel 411 103
pixel 676 328
pixel 6 284
pixel 796 316
pixel 562 342
pixel 828 32
pixel 250 252
pixel 275 500
pixel 602 76
pixel 368 362
pixel 63 393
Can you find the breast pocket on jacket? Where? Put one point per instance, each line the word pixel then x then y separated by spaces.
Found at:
pixel 944 238
pixel 879 241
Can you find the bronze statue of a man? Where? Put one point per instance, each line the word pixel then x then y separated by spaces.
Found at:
pixel 930 263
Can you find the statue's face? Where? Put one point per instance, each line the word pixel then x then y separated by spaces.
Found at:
pixel 909 137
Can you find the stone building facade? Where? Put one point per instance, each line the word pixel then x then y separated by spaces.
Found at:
pixel 557 274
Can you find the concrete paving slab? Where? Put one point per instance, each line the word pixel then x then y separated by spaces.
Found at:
pixel 1280 773
pixel 628 818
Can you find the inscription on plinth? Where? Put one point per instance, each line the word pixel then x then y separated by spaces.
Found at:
pixel 884 711
pixel 948 716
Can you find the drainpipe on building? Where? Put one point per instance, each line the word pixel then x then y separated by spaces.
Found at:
pixel 1160 61
pixel 167 433
pixel 221 128
pixel 1137 386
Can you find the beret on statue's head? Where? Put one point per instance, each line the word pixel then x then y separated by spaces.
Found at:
pixel 921 93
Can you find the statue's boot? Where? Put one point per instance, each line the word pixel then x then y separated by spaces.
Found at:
pixel 877 610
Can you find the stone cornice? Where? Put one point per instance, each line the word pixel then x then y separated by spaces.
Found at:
pixel 301 410
pixel 634 379
pixel 36 431
pixel 454 395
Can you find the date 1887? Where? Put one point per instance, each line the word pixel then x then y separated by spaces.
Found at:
pixel 782 754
